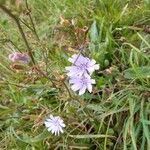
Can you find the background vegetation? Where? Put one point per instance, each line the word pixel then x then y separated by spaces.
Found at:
pixel 116 33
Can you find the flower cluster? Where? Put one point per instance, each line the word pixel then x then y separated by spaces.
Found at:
pixel 80 73
pixel 19 57
pixel 55 124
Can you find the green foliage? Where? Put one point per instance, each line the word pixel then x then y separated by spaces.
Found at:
pixel 113 32
pixel 140 72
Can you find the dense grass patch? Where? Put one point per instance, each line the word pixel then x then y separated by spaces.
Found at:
pixel 116 33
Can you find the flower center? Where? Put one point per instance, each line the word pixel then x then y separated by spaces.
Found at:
pixel 56 122
pixel 82 66
pixel 84 80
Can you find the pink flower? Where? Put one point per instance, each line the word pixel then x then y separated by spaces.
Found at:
pixel 19 57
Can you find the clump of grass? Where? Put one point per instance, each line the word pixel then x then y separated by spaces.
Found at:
pixel 115 33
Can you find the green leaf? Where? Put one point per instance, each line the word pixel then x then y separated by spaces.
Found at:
pixel 147 2
pixel 3 107
pixel 95 107
pixel 30 140
pixel 37 138
pixel 146 122
pixel 94 32
pixel 87 136
pixel 137 72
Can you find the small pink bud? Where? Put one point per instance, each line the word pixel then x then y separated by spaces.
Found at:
pixel 19 57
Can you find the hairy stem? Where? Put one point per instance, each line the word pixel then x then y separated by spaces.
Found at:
pixel 33 25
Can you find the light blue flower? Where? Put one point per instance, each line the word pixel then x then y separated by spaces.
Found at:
pixel 81 65
pixel 54 124
pixel 81 83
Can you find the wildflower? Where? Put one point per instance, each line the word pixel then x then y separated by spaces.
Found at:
pixel 55 124
pixel 81 65
pixel 76 59
pixel 19 57
pixel 80 73
pixel 81 83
